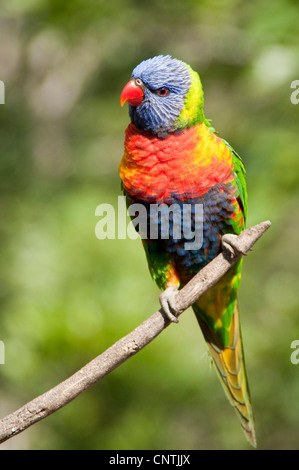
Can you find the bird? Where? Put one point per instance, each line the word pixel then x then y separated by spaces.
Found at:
pixel 173 157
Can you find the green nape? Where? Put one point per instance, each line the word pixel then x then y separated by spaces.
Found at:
pixel 193 113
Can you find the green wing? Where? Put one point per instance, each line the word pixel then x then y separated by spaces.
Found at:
pixel 240 172
pixel 218 316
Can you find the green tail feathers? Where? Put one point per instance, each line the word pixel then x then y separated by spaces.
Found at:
pixel 218 316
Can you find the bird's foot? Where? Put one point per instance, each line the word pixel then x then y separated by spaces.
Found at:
pixel 230 245
pixel 168 303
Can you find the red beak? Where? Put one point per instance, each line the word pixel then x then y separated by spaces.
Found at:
pixel 132 93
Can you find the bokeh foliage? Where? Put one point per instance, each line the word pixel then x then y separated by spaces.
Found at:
pixel 65 295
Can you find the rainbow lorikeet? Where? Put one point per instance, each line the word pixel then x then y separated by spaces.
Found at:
pixel 173 156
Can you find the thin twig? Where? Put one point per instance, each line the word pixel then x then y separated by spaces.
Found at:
pixel 66 391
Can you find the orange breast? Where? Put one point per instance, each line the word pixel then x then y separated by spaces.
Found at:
pixel 183 165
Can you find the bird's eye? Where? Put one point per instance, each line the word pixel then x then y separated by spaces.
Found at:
pixel 138 82
pixel 163 91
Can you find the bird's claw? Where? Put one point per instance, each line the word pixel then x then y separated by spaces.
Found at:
pixel 230 245
pixel 168 303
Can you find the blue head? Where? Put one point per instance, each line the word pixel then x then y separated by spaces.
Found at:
pixel 158 95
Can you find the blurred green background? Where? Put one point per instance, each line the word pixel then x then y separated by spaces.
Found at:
pixel 65 295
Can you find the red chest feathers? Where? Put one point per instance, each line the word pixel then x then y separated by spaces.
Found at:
pixel 179 166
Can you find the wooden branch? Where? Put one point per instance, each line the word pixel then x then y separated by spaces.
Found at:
pixel 66 391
